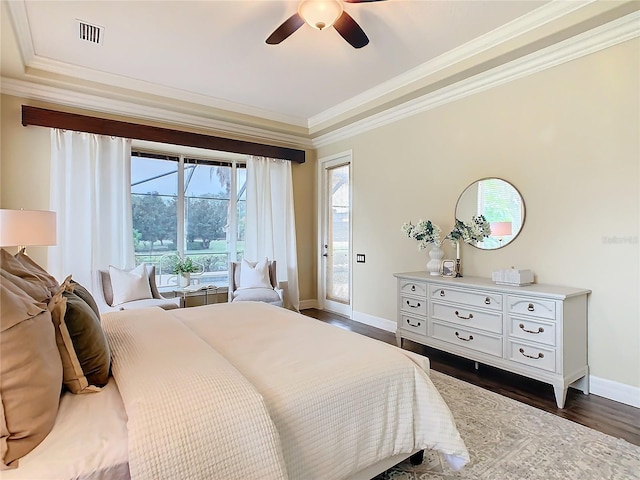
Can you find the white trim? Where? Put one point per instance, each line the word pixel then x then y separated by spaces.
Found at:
pixel 605 36
pixel 541 16
pixel 372 321
pixel 620 392
pixel 127 107
pixel 343 158
pixel 311 303
pixel 18 15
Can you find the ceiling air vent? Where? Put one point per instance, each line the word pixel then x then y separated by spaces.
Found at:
pixel 90 33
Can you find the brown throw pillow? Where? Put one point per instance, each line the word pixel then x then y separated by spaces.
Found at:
pixel 28 281
pixel 84 294
pixel 30 374
pixel 83 346
pixel 46 278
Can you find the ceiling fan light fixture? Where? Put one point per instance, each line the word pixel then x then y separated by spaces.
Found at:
pixel 320 14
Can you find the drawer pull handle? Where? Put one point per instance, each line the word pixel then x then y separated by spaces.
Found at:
pixel 540 355
pixel 442 293
pixel 417 305
pixel 413 288
pixel 464 318
pixel 464 339
pixel 487 301
pixel 540 329
pixel 531 308
pixel 413 325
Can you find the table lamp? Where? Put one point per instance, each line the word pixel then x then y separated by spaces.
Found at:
pixel 23 228
pixel 500 230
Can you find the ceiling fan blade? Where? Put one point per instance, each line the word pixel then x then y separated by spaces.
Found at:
pixel 351 31
pixel 290 25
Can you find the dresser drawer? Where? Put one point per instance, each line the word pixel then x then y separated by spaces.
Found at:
pixel 532 307
pixel 476 298
pixel 414 306
pixel 467 317
pixel 413 288
pixel 414 324
pixel 535 356
pixel 468 339
pixel 533 330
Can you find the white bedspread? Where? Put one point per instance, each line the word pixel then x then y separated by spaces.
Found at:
pixel 191 414
pixel 340 401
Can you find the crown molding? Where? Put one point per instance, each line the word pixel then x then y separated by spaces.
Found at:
pixel 541 16
pixel 599 38
pixel 31 60
pixel 86 101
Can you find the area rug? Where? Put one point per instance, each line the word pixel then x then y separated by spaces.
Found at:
pixel 508 440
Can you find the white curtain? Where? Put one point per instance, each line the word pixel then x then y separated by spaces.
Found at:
pixel 271 228
pixel 91 194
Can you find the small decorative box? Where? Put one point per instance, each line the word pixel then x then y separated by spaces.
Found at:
pixel 512 276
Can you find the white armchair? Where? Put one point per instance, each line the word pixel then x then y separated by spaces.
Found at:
pixel 273 295
pixel 104 295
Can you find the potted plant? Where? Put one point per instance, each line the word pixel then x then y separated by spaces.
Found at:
pixel 183 268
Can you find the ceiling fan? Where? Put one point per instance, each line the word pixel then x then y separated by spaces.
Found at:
pixel 322 14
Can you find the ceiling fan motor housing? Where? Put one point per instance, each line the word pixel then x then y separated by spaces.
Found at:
pixel 320 14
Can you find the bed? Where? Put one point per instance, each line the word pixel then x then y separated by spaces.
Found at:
pixel 247 391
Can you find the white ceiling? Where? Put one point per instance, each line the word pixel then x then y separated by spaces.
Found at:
pixel 217 51
pixel 206 64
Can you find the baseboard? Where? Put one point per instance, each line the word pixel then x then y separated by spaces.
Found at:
pixel 620 392
pixel 378 322
pixel 312 303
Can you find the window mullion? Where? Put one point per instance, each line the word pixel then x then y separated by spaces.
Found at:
pixel 232 230
pixel 180 210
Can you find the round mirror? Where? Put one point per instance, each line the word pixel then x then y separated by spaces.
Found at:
pixel 502 206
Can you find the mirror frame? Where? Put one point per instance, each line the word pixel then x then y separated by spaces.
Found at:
pixel 524 210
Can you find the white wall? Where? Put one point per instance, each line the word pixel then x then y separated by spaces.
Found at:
pixel 569 139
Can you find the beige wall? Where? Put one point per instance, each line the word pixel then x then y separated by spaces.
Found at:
pixel 569 139
pixel 24 174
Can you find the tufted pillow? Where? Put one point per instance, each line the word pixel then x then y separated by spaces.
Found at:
pixel 83 346
pixel 30 373
pixel 129 285
pixel 254 276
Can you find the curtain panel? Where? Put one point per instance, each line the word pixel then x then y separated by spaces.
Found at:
pixel 91 193
pixel 270 227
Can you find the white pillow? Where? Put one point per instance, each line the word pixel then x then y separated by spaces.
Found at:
pixel 129 285
pixel 254 277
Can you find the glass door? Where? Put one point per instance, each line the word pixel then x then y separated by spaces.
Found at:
pixel 336 238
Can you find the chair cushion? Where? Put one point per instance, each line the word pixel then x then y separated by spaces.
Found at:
pixel 30 373
pixel 254 276
pixel 129 285
pixel 268 295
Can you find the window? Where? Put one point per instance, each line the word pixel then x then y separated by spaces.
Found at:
pixel 194 207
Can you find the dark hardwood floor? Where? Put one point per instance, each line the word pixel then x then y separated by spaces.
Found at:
pixel 613 418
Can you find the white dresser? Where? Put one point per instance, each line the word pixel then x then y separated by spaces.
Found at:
pixel 539 331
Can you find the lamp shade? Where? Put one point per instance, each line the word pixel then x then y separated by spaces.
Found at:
pixel 320 14
pixel 500 229
pixel 27 228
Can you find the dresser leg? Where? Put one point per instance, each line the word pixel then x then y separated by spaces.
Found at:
pixel 476 365
pixel 561 395
pixel 399 340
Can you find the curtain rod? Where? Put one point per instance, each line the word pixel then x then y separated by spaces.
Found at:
pixel 42 117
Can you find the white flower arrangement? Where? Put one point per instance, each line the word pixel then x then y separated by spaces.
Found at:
pixel 475 232
pixel 425 232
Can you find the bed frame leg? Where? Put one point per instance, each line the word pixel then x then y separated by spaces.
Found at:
pixel 417 458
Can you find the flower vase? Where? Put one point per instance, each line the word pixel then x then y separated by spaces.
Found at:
pixel 433 265
pixel 184 279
